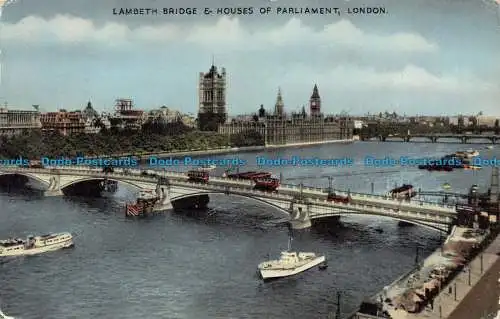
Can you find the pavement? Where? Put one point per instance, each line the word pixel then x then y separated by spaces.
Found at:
pixel 477 300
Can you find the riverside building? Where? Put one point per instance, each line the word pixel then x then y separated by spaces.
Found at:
pixel 64 122
pixel 14 122
pixel 280 128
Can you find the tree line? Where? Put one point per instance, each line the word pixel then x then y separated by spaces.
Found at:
pixel 153 137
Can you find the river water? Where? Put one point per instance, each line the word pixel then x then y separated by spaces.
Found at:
pixel 203 266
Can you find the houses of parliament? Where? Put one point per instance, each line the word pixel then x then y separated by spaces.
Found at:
pixel 278 127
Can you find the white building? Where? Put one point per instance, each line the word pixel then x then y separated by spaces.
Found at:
pixel 16 121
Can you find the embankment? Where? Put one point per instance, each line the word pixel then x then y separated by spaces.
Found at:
pixel 228 150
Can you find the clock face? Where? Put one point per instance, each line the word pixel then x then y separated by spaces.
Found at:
pixel 313 103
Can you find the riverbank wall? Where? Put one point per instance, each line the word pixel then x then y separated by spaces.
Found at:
pixel 457 281
pixel 226 150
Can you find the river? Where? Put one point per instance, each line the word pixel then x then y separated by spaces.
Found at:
pixel 203 266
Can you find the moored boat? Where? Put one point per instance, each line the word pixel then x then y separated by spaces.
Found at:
pixel 143 206
pixel 467 154
pixel 35 244
pixel 207 168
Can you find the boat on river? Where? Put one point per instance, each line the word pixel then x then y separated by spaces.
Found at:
pixel 289 264
pixel 4 316
pixel 35 244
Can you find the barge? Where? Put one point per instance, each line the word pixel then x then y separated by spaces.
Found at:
pixel 143 206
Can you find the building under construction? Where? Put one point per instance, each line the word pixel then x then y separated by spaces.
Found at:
pixel 125 116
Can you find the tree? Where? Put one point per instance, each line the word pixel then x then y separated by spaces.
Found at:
pixel 497 126
pixel 210 121
pixel 247 138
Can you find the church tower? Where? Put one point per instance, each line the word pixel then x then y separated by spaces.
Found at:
pixel 279 106
pixel 315 102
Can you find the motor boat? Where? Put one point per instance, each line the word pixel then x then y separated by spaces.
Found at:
pixel 35 244
pixel 4 316
pixel 289 264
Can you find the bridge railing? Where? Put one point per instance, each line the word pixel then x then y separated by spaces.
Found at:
pixel 387 211
pixel 181 175
pixel 384 198
pixel 396 211
pixel 235 190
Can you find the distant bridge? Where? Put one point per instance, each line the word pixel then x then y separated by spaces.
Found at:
pixel 462 138
pixel 301 204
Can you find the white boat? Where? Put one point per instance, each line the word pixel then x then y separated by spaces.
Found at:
pixel 147 194
pixel 489 147
pixel 35 244
pixel 471 153
pixel 207 168
pixel 4 316
pixel 289 264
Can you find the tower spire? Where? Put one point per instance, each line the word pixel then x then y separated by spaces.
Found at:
pixel 279 106
pixel 213 60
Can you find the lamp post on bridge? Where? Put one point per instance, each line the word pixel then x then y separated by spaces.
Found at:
pixel 330 184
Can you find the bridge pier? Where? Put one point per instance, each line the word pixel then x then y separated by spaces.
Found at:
pixel 54 187
pixel 299 213
pixel 49 193
pixel 164 202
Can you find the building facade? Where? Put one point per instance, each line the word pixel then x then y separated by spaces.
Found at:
pixel 166 115
pixel 280 128
pixel 14 122
pixel 126 117
pixel 212 109
pixel 64 122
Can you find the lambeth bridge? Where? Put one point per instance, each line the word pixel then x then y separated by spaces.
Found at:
pixel 462 138
pixel 301 204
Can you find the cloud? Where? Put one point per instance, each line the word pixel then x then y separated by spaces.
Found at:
pixel 226 32
pixel 411 78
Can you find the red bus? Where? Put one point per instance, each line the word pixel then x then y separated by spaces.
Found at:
pixel 198 176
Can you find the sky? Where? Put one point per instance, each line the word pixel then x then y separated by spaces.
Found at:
pixel 432 57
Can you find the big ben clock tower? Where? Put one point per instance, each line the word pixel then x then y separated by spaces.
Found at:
pixel 315 102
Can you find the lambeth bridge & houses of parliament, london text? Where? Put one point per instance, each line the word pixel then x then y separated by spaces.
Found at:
pixel 251 11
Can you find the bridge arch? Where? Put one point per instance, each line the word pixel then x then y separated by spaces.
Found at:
pixel 279 208
pixel 28 175
pixel 410 221
pixel 101 179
